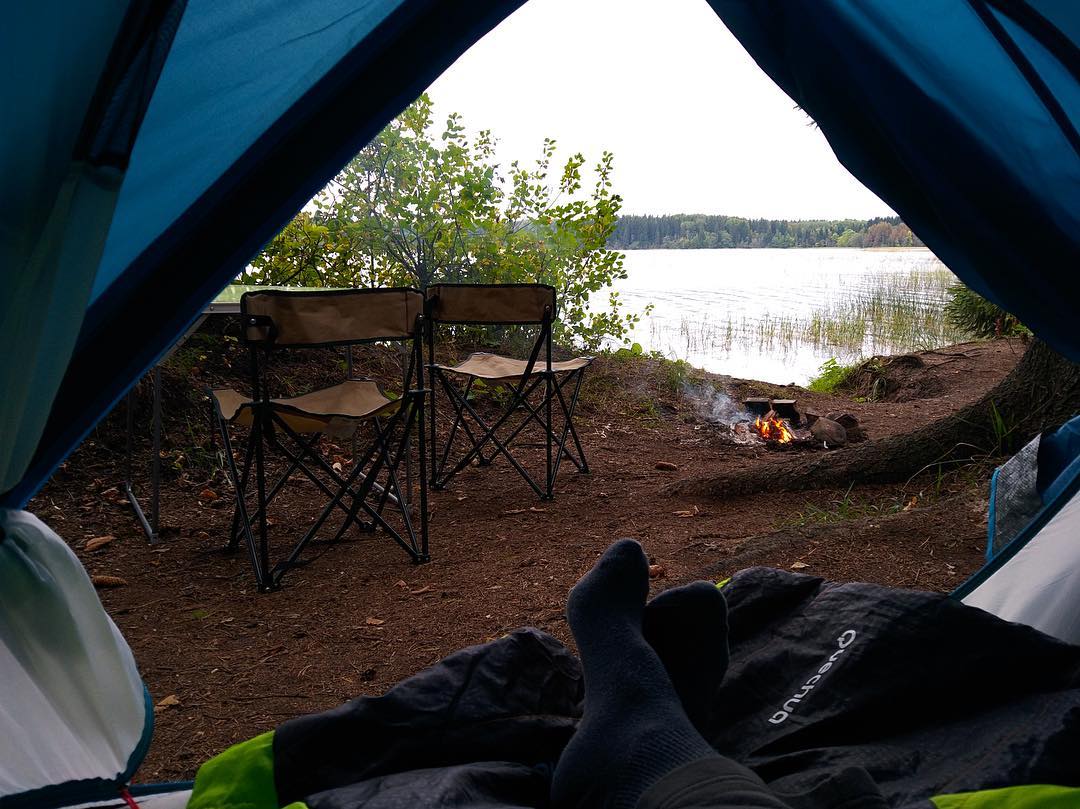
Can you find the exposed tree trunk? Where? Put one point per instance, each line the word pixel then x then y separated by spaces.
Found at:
pixel 1041 392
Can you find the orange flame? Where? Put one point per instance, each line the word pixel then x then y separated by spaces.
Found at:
pixel 773 429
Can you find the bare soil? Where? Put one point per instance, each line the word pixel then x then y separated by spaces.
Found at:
pixel 360 616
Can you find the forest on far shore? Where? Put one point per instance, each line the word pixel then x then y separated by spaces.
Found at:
pixel 697 231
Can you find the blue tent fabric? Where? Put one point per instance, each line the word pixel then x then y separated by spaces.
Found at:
pixel 963 116
pixel 354 66
pixel 149 149
pixel 66 138
pixel 1057 452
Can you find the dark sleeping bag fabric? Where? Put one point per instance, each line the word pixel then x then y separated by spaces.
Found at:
pixel 837 695
pixel 483 728
pixel 833 685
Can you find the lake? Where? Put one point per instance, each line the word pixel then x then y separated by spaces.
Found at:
pixel 777 315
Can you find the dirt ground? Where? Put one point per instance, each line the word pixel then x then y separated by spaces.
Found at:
pixel 224 662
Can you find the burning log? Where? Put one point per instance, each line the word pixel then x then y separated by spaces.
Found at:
pixel 772 428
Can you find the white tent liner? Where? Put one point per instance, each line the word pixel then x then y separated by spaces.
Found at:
pixel 1040 585
pixel 72 704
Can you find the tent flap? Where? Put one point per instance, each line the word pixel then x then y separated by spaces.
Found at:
pixel 962 116
pixel 63 161
pixel 184 227
pixel 1033 573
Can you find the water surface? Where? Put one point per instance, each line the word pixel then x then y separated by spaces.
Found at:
pixel 777 315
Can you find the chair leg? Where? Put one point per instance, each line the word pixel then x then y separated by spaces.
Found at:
pixel 393 461
pixel 568 427
pixel 459 422
pixel 423 479
pixel 296 462
pixel 569 414
pixel 532 416
pixel 307 451
pixel 266 582
pixel 241 503
pixel 548 381
pixel 376 457
pixel 290 561
pixel 240 484
pixel 490 435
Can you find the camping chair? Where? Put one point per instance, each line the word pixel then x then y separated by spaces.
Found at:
pixel 504 305
pixel 277 319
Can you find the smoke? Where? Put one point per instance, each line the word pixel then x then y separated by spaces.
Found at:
pixel 715 406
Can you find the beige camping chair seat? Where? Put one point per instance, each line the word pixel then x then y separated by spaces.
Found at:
pixel 555 385
pixel 274 320
pixel 496 368
pixel 334 410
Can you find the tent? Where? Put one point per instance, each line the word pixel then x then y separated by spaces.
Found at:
pixel 149 149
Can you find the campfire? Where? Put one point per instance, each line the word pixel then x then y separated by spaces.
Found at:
pixel 779 425
pixel 772 428
pixel 774 419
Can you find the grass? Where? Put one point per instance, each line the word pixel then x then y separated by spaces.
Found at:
pixel 900 313
pixel 842 509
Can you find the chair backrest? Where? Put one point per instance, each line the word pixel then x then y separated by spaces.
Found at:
pixel 491 304
pixel 331 317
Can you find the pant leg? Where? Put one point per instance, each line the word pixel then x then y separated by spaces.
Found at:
pixel 715 782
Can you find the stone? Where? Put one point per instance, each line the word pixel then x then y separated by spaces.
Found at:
pixel 757 405
pixel 785 409
pixel 828 431
pixel 843 418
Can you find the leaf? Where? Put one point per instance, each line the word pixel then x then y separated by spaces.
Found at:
pixel 98 542
pixel 799 565
pixel 107 582
pixel 374 622
pixel 167 702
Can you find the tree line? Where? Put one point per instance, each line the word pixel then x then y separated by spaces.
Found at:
pixel 692 231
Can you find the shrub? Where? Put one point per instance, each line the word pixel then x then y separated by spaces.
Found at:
pixel 832 376
pixel 973 314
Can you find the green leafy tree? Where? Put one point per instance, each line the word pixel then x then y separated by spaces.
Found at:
pixel 413 208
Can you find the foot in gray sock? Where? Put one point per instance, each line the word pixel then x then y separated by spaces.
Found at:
pixel 687 627
pixel 634 729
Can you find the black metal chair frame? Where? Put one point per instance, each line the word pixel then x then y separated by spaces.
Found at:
pixel 342 491
pixel 555 385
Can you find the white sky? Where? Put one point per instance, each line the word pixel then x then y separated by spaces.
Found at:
pixel 694 124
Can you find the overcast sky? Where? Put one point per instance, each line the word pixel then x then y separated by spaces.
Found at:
pixel 695 125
